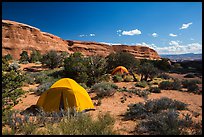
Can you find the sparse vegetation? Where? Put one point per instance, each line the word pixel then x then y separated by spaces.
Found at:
pixel 62 123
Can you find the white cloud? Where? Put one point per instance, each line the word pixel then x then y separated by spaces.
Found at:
pixel 92 35
pixel 185 26
pixel 110 43
pixel 154 34
pixel 175 47
pixel 172 35
pixel 132 32
pixel 119 30
pixel 84 35
pixel 153 46
pixel 192 39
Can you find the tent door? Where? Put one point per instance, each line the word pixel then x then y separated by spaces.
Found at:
pixel 61 107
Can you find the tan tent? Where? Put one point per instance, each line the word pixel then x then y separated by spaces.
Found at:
pixel 119 70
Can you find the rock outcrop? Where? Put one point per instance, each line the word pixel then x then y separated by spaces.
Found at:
pixel 17 37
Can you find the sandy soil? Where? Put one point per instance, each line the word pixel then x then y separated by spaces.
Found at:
pixel 116 108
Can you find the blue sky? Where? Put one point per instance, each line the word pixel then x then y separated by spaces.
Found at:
pixel 167 27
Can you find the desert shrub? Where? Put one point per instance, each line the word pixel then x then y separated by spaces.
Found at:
pixel 142 84
pixel 51 59
pixel 8 57
pixel 24 56
pixel 29 79
pixel 165 123
pixel 42 88
pixel 169 123
pixel 35 56
pixel 176 84
pixel 190 75
pixel 149 107
pixel 117 78
pixel 154 90
pixel 104 89
pixel 14 66
pixel 193 88
pixel 167 85
pixel 42 78
pixel 140 93
pixel 186 83
pixel 128 78
pixel 24 62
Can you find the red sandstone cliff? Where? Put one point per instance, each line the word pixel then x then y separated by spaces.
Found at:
pixel 17 37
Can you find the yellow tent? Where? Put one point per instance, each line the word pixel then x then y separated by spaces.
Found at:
pixel 120 70
pixel 65 93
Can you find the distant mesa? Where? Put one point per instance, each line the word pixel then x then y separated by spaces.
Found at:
pixel 17 37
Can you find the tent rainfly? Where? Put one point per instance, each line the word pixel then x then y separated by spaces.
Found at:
pixel 63 94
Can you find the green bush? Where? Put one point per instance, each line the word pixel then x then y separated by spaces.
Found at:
pixel 35 56
pixel 96 68
pixel 8 57
pixel 52 59
pixel 75 67
pixel 104 89
pixel 117 78
pixel 11 83
pixel 85 69
pixel 24 56
pixel 147 70
pixel 142 84
pixel 121 58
